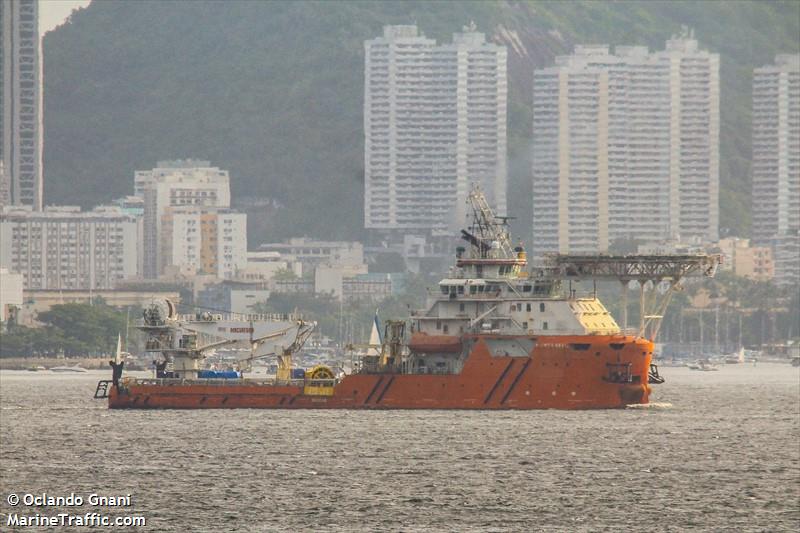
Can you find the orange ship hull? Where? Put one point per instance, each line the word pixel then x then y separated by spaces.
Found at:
pixel 561 372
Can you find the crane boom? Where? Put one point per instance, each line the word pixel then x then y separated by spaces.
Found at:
pixel 187 339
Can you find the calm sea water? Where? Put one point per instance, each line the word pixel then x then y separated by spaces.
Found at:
pixel 720 451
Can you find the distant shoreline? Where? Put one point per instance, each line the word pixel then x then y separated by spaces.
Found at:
pixel 23 363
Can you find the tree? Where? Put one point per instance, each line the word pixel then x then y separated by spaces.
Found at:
pixel 72 329
pixel 284 274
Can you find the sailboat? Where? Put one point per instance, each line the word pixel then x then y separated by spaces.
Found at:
pixel 118 354
pixel 375 340
pixel 373 347
pixel 735 358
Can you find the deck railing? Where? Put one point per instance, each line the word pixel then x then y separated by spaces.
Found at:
pixel 271 382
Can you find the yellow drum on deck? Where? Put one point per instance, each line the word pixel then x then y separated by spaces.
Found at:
pixel 319 381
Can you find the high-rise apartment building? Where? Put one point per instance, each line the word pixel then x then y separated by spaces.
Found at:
pixel 625 145
pixel 187 219
pixel 20 94
pixel 64 248
pixel 776 163
pixel 570 156
pixel 776 148
pixel 434 125
pixel 786 248
pixel 5 185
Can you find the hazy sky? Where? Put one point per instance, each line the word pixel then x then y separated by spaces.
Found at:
pixel 54 12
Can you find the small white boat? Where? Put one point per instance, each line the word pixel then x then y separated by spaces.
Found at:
pixel 703 366
pixel 75 368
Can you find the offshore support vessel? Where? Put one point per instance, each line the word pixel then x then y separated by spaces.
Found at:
pixel 494 336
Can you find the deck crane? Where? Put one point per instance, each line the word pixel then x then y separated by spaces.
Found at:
pixel 654 270
pixel 186 339
pixel 489 232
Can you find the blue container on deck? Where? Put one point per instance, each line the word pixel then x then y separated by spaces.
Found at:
pixel 298 373
pixel 218 374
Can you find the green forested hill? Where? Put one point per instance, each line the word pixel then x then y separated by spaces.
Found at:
pixel 272 91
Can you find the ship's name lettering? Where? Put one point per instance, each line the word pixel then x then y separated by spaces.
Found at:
pixel 241 330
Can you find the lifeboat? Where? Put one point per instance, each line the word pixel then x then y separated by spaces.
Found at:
pixel 424 343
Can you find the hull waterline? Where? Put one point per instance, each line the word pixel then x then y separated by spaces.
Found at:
pixel 576 372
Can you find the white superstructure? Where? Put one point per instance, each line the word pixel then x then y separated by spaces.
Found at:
pixel 434 125
pixel 490 291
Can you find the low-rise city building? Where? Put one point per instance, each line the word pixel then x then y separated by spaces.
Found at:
pixel 233 297
pixel 329 279
pixel 204 240
pixel 263 266
pixel 312 253
pixel 188 222
pixel 64 248
pixel 10 294
pixel 39 301
pixel 738 256
pixel 371 287
pixel 298 285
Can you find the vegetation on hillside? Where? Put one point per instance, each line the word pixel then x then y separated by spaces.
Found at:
pixel 69 329
pixel 272 91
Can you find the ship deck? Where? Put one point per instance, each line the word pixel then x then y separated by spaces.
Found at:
pixel 580 372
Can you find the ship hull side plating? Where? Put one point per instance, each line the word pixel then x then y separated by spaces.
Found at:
pixel 561 372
